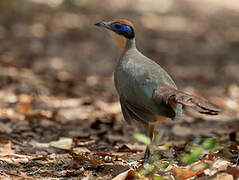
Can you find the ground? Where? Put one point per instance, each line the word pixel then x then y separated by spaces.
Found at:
pixel 59 111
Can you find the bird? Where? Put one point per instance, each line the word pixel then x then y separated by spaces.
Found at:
pixel 148 95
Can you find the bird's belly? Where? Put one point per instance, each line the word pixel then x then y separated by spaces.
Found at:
pixel 138 94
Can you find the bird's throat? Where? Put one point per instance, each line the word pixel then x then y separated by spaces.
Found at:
pixel 121 41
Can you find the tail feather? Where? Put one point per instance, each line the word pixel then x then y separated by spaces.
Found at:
pixel 167 94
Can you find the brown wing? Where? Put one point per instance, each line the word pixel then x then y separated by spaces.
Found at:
pixel 168 94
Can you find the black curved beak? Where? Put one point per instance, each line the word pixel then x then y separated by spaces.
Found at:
pixel 103 24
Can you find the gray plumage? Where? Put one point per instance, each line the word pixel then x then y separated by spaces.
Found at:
pixel 136 79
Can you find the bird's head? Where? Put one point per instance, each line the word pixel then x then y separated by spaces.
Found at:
pixel 121 30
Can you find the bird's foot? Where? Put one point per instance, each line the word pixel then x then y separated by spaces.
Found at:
pixel 147 155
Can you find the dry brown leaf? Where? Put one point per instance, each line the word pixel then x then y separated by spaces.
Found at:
pixel 80 150
pixel 83 142
pixel 233 171
pixel 24 108
pixel 6 149
pixel 126 175
pixel 223 176
pixel 181 173
pixel 82 159
pixel 217 165
pixel 125 148
pixel 62 143
pixel 15 158
pixel 136 146
pixel 8 155
pixel 25 104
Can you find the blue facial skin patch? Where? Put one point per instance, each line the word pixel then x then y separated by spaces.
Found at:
pixel 123 29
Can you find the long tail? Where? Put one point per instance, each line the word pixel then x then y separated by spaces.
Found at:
pixel 167 94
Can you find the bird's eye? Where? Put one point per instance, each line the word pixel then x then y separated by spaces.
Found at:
pixel 117 26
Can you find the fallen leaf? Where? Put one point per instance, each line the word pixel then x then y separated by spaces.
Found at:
pixel 25 104
pixel 217 165
pixel 126 175
pixel 82 159
pixel 184 173
pixel 6 149
pixel 223 176
pixel 136 146
pixel 80 150
pixel 15 158
pixel 125 148
pixel 62 143
pixel 233 171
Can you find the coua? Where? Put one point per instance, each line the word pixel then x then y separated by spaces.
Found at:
pixel 147 93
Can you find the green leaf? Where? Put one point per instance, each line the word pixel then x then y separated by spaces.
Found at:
pixel 198 167
pixel 159 178
pixel 168 144
pixel 164 164
pixel 193 156
pixel 142 138
pixel 211 144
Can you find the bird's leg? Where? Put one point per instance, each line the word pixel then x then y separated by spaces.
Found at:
pixel 151 126
pixel 145 128
pixel 150 133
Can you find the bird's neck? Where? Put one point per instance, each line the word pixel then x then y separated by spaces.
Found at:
pixel 123 44
pixel 129 44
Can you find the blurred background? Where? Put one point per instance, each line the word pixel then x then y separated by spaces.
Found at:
pixel 194 40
